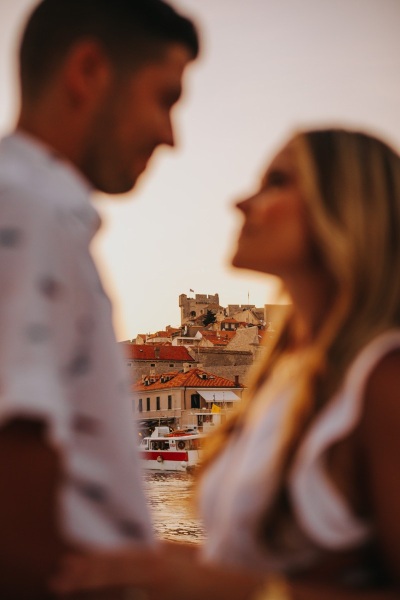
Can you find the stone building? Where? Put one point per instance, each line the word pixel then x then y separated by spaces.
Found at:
pixel 234 310
pixel 250 316
pixel 182 399
pixel 246 339
pixel 230 364
pixel 228 347
pixel 149 359
pixel 192 308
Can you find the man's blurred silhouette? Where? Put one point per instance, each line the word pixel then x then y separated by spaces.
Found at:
pixel 99 79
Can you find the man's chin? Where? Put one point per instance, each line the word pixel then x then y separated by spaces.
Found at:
pixel 127 183
pixel 120 186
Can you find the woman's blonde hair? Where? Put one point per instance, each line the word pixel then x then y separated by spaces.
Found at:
pixel 350 183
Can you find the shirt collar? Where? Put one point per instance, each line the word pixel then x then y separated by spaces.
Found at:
pixel 38 153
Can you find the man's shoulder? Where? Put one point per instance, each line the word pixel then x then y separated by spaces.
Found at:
pixel 20 179
pixel 21 198
pixel 36 185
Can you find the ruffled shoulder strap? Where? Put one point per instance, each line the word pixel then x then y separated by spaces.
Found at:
pixel 320 509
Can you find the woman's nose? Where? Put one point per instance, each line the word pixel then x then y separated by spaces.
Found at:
pixel 245 204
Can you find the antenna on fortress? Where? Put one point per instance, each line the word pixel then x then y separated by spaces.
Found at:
pixel 248 297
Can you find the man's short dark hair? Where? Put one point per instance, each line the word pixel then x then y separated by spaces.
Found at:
pixel 131 32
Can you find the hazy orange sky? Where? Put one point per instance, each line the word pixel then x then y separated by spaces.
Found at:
pixel 267 68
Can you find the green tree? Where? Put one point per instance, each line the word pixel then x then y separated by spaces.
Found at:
pixel 209 317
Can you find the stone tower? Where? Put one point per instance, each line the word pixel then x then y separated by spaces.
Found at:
pixel 193 307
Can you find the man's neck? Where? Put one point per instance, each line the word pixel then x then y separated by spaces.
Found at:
pixel 46 124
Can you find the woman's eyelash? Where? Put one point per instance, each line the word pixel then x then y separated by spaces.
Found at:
pixel 276 178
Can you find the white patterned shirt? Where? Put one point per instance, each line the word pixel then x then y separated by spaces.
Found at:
pixel 59 360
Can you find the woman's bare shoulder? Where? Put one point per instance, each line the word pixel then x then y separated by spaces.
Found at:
pixel 382 392
pixel 380 423
pixel 380 436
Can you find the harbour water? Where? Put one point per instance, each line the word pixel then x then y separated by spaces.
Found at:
pixel 171 501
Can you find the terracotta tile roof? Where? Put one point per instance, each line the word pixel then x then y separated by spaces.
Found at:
pixel 159 334
pixel 148 352
pixel 190 379
pixel 219 338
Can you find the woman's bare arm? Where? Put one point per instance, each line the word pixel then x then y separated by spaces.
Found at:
pixel 380 439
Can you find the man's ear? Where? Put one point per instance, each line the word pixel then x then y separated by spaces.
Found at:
pixel 87 73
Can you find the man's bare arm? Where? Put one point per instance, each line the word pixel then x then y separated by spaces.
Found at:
pixel 30 544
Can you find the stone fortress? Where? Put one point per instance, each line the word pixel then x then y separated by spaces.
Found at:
pixel 185 374
pixel 227 347
pixel 193 308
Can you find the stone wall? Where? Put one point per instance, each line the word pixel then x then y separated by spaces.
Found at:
pixel 232 309
pixel 246 339
pixel 137 368
pixel 225 363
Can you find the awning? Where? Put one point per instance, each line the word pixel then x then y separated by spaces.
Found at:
pixel 218 396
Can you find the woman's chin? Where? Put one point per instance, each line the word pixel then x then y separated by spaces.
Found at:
pixel 240 262
pixel 237 261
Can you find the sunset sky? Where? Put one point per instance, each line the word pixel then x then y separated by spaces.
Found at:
pixel 268 67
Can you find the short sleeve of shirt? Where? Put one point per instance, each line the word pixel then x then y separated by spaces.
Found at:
pixel 34 294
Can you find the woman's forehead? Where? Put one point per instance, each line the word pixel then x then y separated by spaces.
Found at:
pixel 284 157
pixel 283 160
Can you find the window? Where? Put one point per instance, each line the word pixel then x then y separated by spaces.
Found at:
pixel 140 405
pixel 171 364
pixel 152 364
pixel 195 401
pixel 148 404
pixel 158 407
pixel 169 402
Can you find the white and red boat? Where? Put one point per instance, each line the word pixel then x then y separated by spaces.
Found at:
pixel 171 451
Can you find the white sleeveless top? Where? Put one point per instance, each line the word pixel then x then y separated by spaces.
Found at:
pixel 241 483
